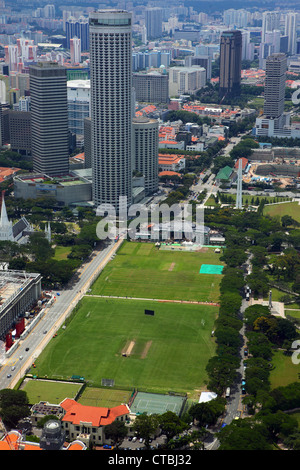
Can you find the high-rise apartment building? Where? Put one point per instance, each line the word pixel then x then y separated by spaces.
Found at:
pixel 111 106
pixel 75 50
pixel 270 22
pixel 275 122
pixel 153 22
pixel 145 153
pixel 274 92
pixel 230 63
pixel 291 31
pixel 49 118
pixel 79 28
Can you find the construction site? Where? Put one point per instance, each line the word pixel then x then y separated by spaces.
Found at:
pixel 274 165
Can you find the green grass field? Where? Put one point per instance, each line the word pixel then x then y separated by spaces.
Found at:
pixel 285 371
pixel 170 352
pixel 53 392
pixel 108 396
pixel 140 270
pixel 278 210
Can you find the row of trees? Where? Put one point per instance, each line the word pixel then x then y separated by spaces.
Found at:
pixel 258 235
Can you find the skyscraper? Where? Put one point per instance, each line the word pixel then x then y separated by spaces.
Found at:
pixel 153 22
pixel 79 28
pixel 270 22
pixel 49 118
pixel 276 66
pixel 275 122
pixel 291 31
pixel 111 107
pixel 230 63
pixel 145 154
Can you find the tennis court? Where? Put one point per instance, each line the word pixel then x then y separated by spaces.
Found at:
pixel 211 269
pixel 152 403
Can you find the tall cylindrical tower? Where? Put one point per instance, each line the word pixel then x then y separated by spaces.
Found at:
pixel 111 110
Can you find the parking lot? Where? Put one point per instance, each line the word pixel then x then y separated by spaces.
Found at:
pixel 130 443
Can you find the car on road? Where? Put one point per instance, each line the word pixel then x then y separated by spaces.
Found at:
pixel 8 376
pixel 27 349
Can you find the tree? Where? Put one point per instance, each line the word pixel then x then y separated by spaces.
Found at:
pixel 222 371
pixel 116 431
pixel 287 220
pixel 39 247
pixel 279 424
pixel 14 406
pixel 243 434
pixel 208 413
pixel 146 426
pixel 171 424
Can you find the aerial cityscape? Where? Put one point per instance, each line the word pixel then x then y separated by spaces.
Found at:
pixel 150 228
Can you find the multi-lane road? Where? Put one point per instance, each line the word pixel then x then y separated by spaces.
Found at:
pixel 31 346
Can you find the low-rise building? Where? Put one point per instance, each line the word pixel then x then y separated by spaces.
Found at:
pixel 168 162
pixel 66 189
pixel 88 423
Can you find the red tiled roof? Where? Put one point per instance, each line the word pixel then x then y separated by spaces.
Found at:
pixel 244 162
pixel 98 416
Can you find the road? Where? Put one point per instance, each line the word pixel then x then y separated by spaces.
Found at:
pixel 54 318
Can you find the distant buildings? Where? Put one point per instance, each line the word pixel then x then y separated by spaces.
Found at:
pixel 49 118
pixel 186 80
pixel 270 22
pixel 152 87
pixel 230 64
pixel 79 28
pixel 153 22
pixel 275 122
pixel 291 31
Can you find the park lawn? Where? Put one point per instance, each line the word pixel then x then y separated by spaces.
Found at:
pixel 50 391
pixel 285 371
pixel 61 252
pixel 91 345
pixel 279 210
pixel 140 270
pixel 292 312
pixel 250 199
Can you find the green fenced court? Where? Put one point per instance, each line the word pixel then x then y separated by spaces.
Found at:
pixel 152 403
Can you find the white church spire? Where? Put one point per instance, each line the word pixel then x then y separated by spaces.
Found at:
pixel 6 230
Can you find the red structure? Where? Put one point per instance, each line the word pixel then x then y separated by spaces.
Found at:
pixel 9 340
pixel 20 327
